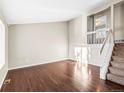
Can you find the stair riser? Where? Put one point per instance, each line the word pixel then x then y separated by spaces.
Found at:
pixel 119 44
pixel 116 45
pixel 118 49
pixel 117 71
pixel 116 79
pixel 118 60
pixel 118 54
pixel 118 65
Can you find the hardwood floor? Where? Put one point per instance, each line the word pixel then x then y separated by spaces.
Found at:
pixel 58 76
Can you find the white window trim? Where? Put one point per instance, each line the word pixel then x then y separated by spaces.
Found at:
pixel 2 44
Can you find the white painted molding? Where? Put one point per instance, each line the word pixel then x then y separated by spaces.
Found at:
pixel 104 67
pixel 98 9
pixel 103 7
pixel 12 68
pixel 116 1
pixel 1 83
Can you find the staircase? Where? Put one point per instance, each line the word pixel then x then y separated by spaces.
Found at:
pixel 116 68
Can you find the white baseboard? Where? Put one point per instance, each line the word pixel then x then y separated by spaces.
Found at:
pixel 12 68
pixel 94 64
pixel 3 80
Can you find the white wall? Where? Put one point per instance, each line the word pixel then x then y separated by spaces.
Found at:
pixel 4 69
pixel 119 23
pixel 94 55
pixel 78 37
pixel 33 44
pixel 77 34
pixel 123 18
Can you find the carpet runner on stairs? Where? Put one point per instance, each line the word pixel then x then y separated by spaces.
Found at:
pixel 116 69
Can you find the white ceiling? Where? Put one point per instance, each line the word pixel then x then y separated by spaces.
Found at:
pixel 39 11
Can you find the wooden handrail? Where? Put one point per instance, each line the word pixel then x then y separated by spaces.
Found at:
pixel 107 37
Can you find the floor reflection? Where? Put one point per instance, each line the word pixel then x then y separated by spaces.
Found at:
pixel 81 66
pixel 82 73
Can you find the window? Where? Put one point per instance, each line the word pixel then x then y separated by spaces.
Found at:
pixel 2 44
pixel 101 22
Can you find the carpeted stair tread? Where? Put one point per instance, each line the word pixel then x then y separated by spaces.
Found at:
pixel 116 68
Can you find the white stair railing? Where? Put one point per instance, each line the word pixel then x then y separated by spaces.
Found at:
pixel 108 36
pixel 96 37
pixel 105 53
pixel 104 38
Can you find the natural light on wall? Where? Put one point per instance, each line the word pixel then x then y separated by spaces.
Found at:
pixel 2 44
pixel 81 54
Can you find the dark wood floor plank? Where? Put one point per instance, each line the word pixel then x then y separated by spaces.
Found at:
pixel 58 77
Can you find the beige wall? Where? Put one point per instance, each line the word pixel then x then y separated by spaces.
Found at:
pixel 77 34
pixel 119 22
pixel 123 17
pixel 33 44
pixel 4 69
